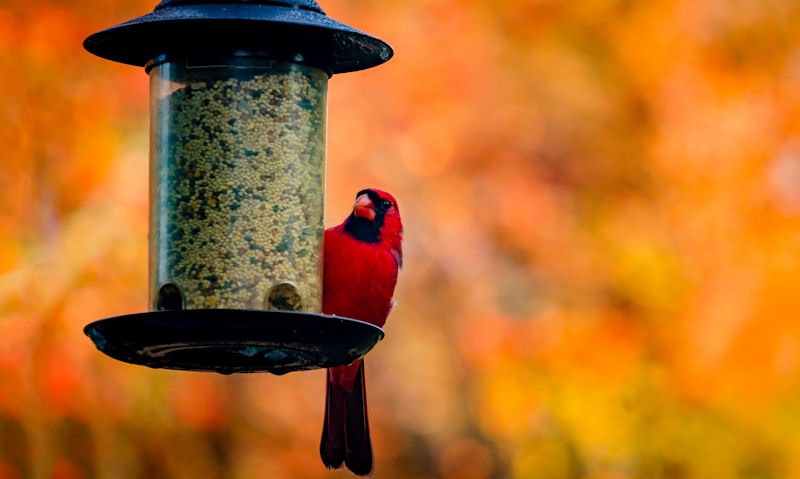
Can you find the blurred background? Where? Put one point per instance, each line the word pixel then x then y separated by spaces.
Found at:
pixel 602 253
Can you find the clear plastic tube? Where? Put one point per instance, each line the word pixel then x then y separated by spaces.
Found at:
pixel 237 172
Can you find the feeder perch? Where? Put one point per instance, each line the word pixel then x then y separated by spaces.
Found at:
pixel 237 172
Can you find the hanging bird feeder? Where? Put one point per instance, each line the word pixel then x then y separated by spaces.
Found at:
pixel 237 172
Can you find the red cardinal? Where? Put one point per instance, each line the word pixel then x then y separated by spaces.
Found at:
pixel 361 260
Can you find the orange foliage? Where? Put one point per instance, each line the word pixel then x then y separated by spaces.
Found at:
pixel 602 210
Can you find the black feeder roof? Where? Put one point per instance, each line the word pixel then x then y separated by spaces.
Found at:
pixel 294 30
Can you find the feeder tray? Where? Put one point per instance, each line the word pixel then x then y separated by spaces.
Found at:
pixel 234 340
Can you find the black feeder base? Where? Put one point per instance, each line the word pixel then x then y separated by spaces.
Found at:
pixel 234 340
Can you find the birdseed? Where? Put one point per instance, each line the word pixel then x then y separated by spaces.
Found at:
pixel 239 169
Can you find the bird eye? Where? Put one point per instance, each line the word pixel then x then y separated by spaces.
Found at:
pixel 386 204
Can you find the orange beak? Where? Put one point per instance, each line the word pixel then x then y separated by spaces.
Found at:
pixel 363 208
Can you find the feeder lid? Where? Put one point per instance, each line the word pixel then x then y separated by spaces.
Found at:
pixel 299 28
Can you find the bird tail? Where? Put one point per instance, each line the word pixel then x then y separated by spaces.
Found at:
pixel 345 432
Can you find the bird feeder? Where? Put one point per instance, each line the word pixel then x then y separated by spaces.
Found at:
pixel 237 172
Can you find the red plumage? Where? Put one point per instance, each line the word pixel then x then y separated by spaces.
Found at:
pixel 362 257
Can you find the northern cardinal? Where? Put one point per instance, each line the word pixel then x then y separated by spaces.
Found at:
pixel 361 259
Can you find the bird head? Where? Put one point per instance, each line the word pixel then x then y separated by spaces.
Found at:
pixel 375 218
